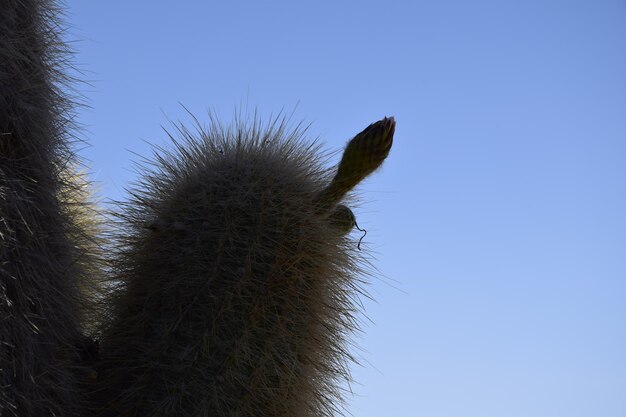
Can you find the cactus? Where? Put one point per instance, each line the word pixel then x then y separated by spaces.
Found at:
pixel 44 249
pixel 233 284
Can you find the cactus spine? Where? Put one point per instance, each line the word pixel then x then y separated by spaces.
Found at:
pixel 42 243
pixel 234 283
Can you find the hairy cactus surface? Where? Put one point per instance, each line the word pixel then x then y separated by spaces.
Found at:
pixel 44 248
pixel 234 283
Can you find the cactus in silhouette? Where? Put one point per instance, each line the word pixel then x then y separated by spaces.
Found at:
pixel 233 282
pixel 44 250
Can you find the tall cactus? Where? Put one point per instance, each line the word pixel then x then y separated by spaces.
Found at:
pixel 43 257
pixel 235 281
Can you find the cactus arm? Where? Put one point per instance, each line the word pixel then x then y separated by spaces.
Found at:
pixel 362 156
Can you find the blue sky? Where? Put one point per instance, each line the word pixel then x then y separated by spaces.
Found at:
pixel 498 221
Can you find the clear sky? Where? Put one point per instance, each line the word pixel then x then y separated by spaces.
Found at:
pixel 499 219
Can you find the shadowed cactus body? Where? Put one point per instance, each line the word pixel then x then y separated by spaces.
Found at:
pixel 45 250
pixel 235 282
